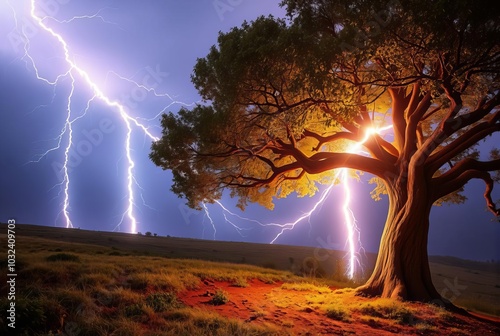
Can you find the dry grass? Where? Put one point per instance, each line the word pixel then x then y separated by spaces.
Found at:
pixel 344 305
pixel 306 286
pixel 87 291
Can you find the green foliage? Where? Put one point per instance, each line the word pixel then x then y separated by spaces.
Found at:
pixel 283 98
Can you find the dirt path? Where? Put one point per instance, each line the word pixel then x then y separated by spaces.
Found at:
pixel 256 303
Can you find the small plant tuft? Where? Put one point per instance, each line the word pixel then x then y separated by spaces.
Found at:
pixel 404 316
pixel 240 282
pixel 161 302
pixel 220 297
pixel 337 313
pixel 135 310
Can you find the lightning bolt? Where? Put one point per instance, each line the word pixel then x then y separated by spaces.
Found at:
pixel 75 72
pixel 350 223
pixel 353 233
pixel 207 214
pixel 349 218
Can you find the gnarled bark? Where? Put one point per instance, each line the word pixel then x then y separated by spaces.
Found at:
pixel 402 266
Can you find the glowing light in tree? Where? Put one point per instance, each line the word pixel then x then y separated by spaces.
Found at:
pixel 353 242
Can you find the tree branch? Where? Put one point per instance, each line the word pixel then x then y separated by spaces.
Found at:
pixel 416 110
pixel 462 167
pixel 451 125
pixel 464 142
pixel 459 181
pixel 399 104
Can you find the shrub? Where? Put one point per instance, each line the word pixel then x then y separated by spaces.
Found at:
pixel 63 257
pixel 403 316
pixel 389 309
pixel 220 297
pixel 370 310
pixel 337 313
pixel 161 302
pixel 240 282
pixel 135 310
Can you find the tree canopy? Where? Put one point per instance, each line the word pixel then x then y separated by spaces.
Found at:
pixel 285 98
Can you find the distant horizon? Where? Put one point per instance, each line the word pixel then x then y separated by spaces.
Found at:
pixel 486 261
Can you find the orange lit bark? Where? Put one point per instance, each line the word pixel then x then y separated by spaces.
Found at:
pixel 402 267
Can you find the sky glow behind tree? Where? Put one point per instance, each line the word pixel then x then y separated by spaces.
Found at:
pixel 155 44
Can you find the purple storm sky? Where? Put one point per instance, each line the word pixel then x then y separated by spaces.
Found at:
pixel 156 44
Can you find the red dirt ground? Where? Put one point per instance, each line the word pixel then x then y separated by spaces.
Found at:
pixel 253 304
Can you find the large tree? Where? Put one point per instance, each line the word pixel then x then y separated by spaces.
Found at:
pixel 285 98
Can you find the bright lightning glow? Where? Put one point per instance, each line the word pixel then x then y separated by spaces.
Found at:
pixel 349 218
pixel 342 175
pixel 207 213
pixel 77 73
pixel 284 226
pixel 69 126
pixel 350 222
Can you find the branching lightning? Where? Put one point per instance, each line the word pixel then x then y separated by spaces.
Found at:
pixel 353 242
pixel 207 214
pixel 77 73
pixel 64 141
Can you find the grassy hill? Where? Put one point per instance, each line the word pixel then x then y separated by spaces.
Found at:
pixel 106 283
pixel 282 257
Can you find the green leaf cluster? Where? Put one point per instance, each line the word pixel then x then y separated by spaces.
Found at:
pixel 277 91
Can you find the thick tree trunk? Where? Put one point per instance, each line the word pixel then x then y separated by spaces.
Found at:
pixel 402 266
